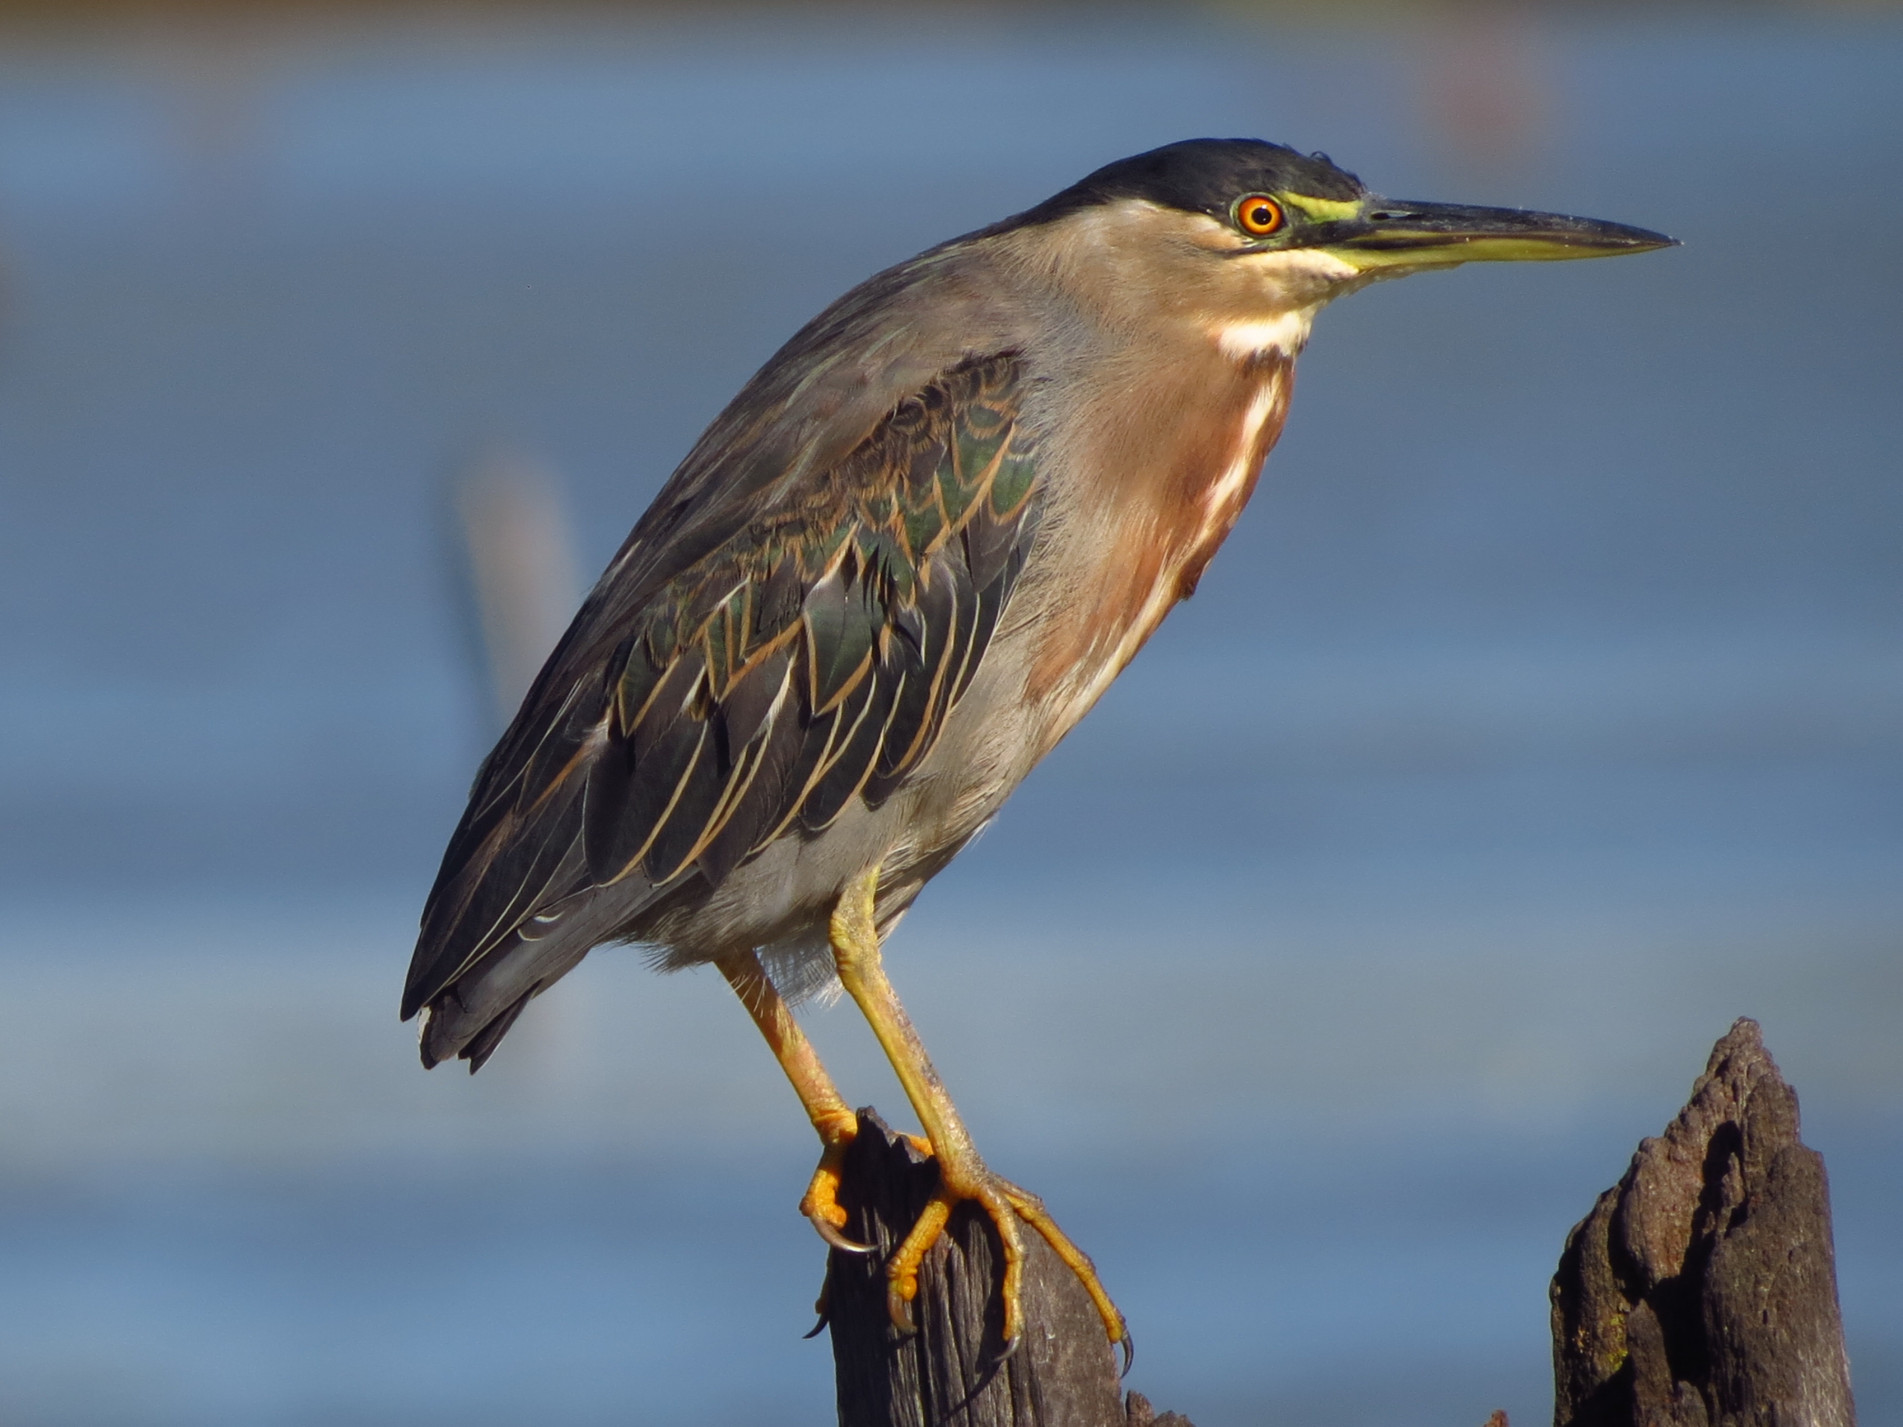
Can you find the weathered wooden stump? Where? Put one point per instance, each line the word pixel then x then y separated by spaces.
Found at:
pixel 1702 1290
pixel 949 1373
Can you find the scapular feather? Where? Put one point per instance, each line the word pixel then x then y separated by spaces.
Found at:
pixel 670 704
pixel 776 602
pixel 988 543
pixel 757 796
pixel 854 764
pixel 639 674
pixel 748 700
pixel 660 767
pixel 842 624
pixel 611 839
pixel 808 762
pixel 683 826
pixel 957 649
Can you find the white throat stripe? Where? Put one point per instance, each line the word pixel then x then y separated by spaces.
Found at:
pixel 1281 336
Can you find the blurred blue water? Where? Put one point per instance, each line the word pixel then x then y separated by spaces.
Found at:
pixel 1542 715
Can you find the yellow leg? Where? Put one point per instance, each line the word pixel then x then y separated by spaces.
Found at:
pixel 962 1174
pixel 830 1115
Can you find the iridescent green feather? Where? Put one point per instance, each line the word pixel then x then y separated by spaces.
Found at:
pixel 1011 485
pixel 867 574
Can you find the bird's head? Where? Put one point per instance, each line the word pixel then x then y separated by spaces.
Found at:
pixel 1251 238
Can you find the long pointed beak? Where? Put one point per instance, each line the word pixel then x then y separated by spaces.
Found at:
pixel 1389 234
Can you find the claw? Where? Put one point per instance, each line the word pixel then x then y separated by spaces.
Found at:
pixel 831 1235
pixel 901 1270
pixel 1127 1346
pixel 820 1203
pixel 823 1305
pixel 1031 1209
pixel 899 1310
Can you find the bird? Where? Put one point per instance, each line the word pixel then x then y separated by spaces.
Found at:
pixel 895 571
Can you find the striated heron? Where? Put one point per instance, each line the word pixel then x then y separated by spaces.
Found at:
pixel 896 570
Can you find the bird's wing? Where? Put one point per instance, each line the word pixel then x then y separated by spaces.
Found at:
pixel 808 658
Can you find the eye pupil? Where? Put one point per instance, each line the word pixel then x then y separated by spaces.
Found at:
pixel 1260 216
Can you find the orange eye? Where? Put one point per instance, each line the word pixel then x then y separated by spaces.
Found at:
pixel 1260 215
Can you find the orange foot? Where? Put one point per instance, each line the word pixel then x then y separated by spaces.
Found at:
pixel 821 1203
pixel 1008 1205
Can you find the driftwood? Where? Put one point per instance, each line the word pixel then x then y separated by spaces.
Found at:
pixel 1701 1291
pixel 952 1373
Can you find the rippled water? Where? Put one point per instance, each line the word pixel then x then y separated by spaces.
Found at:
pixel 1541 717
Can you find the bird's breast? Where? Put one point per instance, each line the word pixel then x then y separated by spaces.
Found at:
pixel 1157 487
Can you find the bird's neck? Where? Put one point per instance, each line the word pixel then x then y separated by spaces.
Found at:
pixel 1172 464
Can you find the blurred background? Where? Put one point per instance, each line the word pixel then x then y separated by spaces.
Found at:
pixel 1544 714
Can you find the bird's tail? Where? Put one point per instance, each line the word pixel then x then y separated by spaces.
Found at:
pixel 469 1017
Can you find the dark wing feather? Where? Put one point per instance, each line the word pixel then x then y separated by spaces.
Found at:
pixel 808 658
